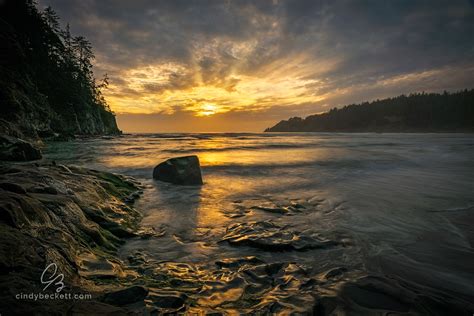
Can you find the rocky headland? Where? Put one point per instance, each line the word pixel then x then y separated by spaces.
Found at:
pixel 47 84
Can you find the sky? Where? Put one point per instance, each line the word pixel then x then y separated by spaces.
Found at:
pixel 242 66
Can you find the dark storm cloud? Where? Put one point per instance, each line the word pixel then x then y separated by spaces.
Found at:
pixel 133 32
pixel 376 39
pixel 375 47
pixel 408 32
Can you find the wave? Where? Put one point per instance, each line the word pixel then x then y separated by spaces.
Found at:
pixel 243 147
pixel 455 209
pixel 340 164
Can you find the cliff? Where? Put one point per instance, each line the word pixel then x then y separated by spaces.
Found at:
pixel 47 85
pixel 447 112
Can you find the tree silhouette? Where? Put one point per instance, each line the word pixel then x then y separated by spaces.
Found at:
pixel 418 112
pixel 47 80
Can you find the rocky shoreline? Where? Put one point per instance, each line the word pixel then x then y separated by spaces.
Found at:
pixel 73 217
pixel 78 218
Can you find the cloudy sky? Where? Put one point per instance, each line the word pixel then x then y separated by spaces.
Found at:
pixel 183 65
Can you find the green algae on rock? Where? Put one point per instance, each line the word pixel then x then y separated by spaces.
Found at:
pixel 70 216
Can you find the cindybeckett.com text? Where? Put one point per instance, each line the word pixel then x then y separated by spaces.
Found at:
pixel 53 296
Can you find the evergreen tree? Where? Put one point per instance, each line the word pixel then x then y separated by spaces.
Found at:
pixel 47 81
pixel 418 112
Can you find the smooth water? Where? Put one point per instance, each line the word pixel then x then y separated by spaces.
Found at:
pixel 397 204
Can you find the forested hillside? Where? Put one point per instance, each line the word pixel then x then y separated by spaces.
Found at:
pixel 420 112
pixel 47 86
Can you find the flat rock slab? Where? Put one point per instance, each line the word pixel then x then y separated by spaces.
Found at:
pixel 269 236
pixel 180 170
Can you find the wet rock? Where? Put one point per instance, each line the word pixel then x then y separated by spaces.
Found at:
pixel 334 273
pixel 8 169
pixel 222 293
pixel 150 232
pixel 181 170
pixel 296 205
pixel 126 296
pixel 55 227
pixel 278 210
pixel 168 299
pixel 92 266
pixel 235 215
pixel 238 262
pixel 137 259
pixel 180 276
pixel 12 187
pixel 273 268
pixel 64 168
pixel 264 289
pixel 43 190
pixel 15 149
pixel 239 211
pixel 132 197
pixel 118 230
pixel 272 237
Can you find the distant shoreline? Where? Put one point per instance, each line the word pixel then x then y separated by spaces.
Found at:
pixel 107 137
pixel 418 113
pixel 378 132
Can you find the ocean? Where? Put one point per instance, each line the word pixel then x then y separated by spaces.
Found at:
pixel 391 206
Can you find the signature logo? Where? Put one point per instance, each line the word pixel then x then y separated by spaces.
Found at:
pixel 50 276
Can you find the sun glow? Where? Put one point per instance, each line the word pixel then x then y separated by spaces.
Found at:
pixel 205 90
pixel 207 109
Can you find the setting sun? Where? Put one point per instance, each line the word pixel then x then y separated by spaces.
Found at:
pixel 207 110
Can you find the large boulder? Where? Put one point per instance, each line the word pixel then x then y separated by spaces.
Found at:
pixel 15 149
pixel 179 170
